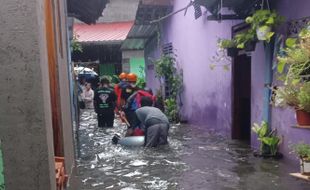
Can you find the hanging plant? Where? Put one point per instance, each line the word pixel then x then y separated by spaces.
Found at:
pixel 264 22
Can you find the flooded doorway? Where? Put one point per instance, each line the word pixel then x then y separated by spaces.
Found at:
pixel 241 92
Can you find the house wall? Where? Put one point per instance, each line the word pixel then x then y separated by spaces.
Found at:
pixel 64 88
pixel 281 119
pixel 25 114
pixel 207 93
pixel 151 53
pixel 26 120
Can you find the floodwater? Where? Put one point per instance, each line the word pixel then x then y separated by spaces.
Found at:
pixel 195 159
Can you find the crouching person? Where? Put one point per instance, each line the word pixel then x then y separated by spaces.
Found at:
pixel 155 122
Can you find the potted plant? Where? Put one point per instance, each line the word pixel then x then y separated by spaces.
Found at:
pixel 296 60
pixel 263 22
pixel 246 40
pixel 230 46
pixel 302 150
pixel 269 141
pixel 303 111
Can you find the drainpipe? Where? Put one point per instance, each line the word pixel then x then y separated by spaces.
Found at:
pixel 269 49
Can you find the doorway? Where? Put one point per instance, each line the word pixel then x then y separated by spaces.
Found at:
pixel 241 92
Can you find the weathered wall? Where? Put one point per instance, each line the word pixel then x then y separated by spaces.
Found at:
pixel 207 94
pixel 152 52
pixel 284 119
pixel 64 88
pixel 25 117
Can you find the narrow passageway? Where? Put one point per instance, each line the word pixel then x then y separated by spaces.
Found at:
pixel 194 159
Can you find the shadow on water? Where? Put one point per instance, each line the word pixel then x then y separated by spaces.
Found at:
pixel 194 159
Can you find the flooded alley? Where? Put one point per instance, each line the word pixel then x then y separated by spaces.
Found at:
pixel 194 159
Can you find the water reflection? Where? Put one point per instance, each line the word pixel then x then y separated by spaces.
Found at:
pixel 194 159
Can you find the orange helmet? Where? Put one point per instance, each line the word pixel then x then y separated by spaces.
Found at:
pixel 122 76
pixel 131 77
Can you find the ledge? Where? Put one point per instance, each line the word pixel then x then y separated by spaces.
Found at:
pixel 301 126
pixel 300 176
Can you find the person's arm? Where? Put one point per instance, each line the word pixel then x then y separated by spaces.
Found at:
pixel 96 101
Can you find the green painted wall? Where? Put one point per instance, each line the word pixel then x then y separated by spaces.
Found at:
pixel 106 69
pixel 137 66
pixel 1 170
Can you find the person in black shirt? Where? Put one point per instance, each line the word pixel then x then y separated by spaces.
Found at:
pixel 104 103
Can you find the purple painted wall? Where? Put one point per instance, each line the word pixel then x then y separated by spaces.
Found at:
pixel 152 52
pixel 282 119
pixel 207 93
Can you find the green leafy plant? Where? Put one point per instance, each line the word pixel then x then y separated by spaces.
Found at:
pixel 226 43
pixel 141 83
pixel 287 95
pixel 245 37
pixel 263 21
pixel 302 150
pixel 75 45
pixel 166 71
pixel 304 97
pixel 172 110
pixel 296 56
pixel 269 141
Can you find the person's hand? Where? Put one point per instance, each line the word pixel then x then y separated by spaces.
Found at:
pixel 122 114
pixel 129 132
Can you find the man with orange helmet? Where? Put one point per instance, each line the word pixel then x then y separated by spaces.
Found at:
pixel 118 88
pixel 130 89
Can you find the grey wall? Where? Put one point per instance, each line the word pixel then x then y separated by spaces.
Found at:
pixel 63 67
pixel 25 118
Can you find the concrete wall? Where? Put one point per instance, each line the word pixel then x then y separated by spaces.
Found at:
pixel 64 88
pixel 25 114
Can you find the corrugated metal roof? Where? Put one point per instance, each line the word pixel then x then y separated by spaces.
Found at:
pixel 142 31
pixel 133 44
pixel 102 32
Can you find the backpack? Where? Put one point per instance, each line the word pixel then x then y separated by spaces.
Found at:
pixel 135 100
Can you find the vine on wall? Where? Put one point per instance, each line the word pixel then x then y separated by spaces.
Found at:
pixel 167 71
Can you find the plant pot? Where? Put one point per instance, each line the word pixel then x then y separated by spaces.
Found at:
pixel 232 52
pixel 278 155
pixel 262 32
pixel 304 167
pixel 303 117
pixel 250 46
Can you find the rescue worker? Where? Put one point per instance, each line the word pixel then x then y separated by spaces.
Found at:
pixel 130 89
pixel 104 102
pixel 133 103
pixel 154 122
pixel 118 89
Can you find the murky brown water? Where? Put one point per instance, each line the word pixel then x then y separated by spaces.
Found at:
pixel 195 159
